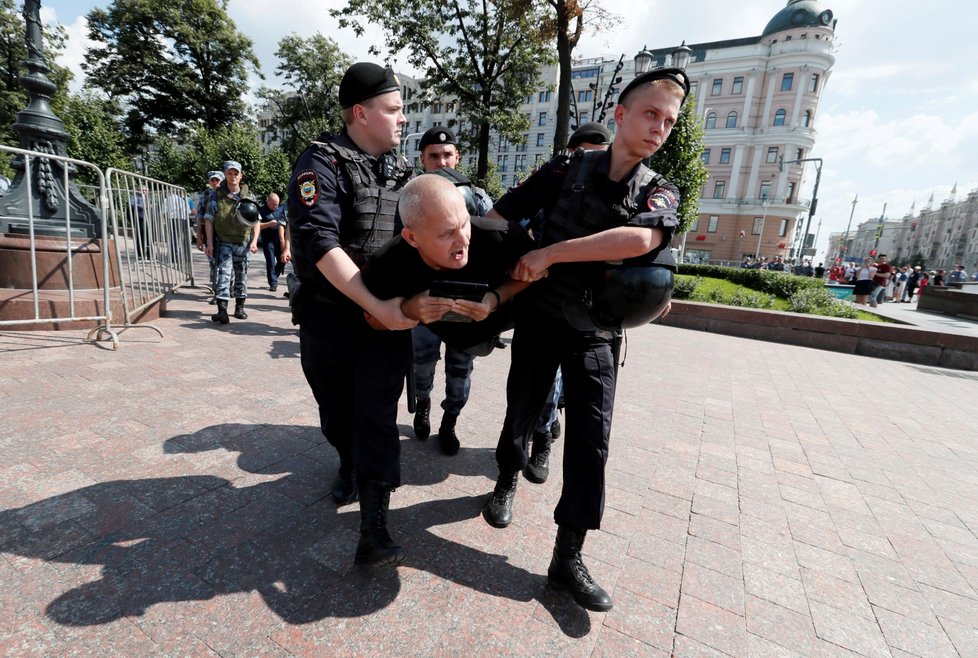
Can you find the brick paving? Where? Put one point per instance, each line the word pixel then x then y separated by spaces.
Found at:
pixel 170 498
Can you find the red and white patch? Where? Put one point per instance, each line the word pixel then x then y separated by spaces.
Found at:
pixel 662 198
pixel 308 186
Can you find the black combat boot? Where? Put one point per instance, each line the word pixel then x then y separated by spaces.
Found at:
pixel 222 312
pixel 555 429
pixel 422 420
pixel 538 468
pixel 239 311
pixel 567 571
pixel 446 435
pixel 344 489
pixel 498 512
pixel 376 548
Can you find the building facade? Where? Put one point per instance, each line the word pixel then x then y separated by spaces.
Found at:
pixel 937 237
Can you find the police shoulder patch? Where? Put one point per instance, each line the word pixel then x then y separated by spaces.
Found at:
pixel 307 184
pixel 662 198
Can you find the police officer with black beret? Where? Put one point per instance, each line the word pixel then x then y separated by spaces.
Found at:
pixel 599 207
pixel 342 199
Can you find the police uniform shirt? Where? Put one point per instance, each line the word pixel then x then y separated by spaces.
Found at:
pixel 319 197
pixel 657 205
pixel 397 270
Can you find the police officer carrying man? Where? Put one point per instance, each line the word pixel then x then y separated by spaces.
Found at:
pixel 439 154
pixel 342 197
pixel 599 207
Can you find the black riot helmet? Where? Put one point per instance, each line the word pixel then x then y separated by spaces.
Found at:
pixel 247 212
pixel 626 296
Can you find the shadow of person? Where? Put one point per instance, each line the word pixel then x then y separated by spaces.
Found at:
pixel 198 537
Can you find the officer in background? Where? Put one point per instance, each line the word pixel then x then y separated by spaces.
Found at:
pixel 341 202
pixel 439 154
pixel 273 221
pixel 599 207
pixel 591 136
pixel 214 178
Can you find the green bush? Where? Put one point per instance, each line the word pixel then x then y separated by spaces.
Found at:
pixel 820 302
pixel 684 286
pixel 779 284
pixel 751 299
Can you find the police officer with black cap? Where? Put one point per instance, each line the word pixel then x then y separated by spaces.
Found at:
pixel 342 198
pixel 600 207
pixel 589 136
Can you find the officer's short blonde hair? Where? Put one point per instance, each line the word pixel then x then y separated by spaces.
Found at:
pixel 674 88
pixel 347 114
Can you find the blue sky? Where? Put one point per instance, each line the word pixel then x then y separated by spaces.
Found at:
pixel 899 116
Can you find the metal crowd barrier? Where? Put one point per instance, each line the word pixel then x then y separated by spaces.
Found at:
pixel 145 223
pixel 150 223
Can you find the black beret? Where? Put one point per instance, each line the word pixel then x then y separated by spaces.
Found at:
pixel 591 133
pixel 436 135
pixel 363 81
pixel 676 75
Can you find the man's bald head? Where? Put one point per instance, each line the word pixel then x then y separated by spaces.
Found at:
pixel 436 222
pixel 428 196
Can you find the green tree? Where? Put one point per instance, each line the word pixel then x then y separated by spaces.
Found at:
pixel 187 164
pixel 484 54
pixel 94 135
pixel 172 65
pixel 681 161
pixel 312 69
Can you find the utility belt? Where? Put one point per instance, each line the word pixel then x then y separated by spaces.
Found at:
pixel 302 295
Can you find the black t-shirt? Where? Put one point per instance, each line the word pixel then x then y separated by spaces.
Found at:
pixel 397 270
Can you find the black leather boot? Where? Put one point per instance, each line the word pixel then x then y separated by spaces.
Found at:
pixel 567 571
pixel 555 429
pixel 446 435
pixel 422 420
pixel 376 548
pixel 344 489
pixel 498 512
pixel 222 312
pixel 239 311
pixel 538 468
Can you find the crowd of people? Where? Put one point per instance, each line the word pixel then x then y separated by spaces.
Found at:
pixel 877 281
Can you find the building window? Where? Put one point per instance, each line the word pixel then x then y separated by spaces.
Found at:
pixel 732 120
pixel 738 85
pixel 786 81
pixel 542 119
pixel 694 226
pixel 711 120
pixel 712 226
pixel 585 95
pixel 765 189
pixel 417 126
pixel 758 226
pixel 783 229
pixel 504 163
pixel 725 156
pixel 813 83
pixel 806 119
pixel 582 118
pixel 719 188
pixel 436 108
pixel 706 156
pixel 528 99
pixel 791 193
pixel 799 154
pixel 545 96
pixel 503 145
pixel 540 139
pixel 502 179
pixel 779 117
pixel 417 145
pixel 717 87
pixel 772 154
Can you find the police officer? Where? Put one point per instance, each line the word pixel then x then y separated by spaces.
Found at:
pixel 214 178
pixel 230 241
pixel 439 154
pixel 599 206
pixel 341 202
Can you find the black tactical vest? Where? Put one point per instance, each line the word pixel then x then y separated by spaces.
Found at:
pixel 375 196
pixel 580 212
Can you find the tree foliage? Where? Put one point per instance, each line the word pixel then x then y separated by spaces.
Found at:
pixel 312 69
pixel 680 160
pixel 564 26
pixel 172 65
pixel 94 135
pixel 484 54
pixel 187 164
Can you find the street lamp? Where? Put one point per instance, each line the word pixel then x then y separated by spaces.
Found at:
pixel 844 248
pixel 814 204
pixel 643 61
pixel 681 55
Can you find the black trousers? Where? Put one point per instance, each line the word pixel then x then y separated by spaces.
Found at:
pixel 587 363
pixel 356 375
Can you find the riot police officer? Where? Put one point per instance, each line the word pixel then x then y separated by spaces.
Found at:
pixel 342 197
pixel 598 206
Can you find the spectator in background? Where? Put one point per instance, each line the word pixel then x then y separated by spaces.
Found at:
pixel 913 280
pixel 901 284
pixel 820 271
pixel 958 276
pixel 881 277
pixel 864 281
pixel 272 238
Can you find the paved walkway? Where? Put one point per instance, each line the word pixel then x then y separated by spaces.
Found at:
pixel 908 314
pixel 169 498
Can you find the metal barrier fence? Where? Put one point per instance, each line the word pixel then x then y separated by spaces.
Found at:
pixel 146 231
pixel 150 223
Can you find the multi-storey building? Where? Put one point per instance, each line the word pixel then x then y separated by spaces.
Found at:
pixel 757 97
pixel 941 237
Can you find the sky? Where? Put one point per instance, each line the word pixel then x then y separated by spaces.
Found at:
pixel 898 119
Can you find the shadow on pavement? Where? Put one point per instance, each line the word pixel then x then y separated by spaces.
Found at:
pixel 275 532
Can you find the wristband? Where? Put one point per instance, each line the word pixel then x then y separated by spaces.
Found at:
pixel 499 300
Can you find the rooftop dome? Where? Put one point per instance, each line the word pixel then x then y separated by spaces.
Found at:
pixel 800 13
